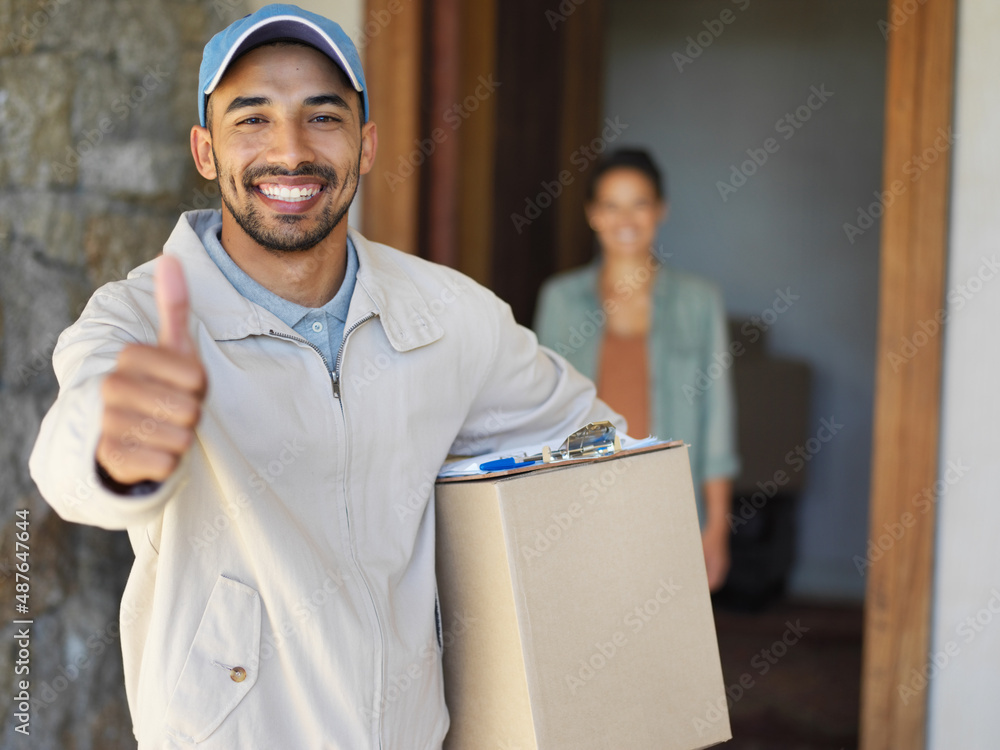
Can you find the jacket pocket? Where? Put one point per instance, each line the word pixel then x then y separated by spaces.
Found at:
pixel 222 664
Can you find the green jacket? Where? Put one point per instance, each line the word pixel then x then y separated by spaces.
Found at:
pixel 690 368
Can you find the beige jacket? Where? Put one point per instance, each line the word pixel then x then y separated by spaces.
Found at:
pixel 283 593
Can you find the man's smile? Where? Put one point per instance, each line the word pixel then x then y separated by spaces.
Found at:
pixel 292 194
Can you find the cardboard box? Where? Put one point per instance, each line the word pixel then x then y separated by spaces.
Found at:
pixel 586 619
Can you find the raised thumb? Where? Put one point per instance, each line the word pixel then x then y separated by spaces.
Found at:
pixel 173 306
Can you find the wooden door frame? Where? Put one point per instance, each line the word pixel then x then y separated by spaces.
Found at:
pixel 913 268
pixel 905 446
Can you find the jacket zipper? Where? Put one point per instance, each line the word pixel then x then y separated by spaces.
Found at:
pixel 336 393
pixel 340 352
pixel 335 377
pixel 311 345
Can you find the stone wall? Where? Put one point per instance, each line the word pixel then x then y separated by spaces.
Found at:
pixel 97 98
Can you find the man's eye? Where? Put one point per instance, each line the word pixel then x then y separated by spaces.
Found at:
pixel 326 118
pixel 251 121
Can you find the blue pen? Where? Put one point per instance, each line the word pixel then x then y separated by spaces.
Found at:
pixel 501 464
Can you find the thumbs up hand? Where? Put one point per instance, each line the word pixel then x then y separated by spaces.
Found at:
pixel 153 398
pixel 173 306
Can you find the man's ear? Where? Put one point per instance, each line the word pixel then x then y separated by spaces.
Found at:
pixel 369 145
pixel 201 150
pixel 664 213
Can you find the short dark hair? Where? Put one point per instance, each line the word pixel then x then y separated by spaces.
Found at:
pixel 628 158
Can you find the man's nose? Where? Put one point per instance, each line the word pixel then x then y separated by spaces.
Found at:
pixel 289 146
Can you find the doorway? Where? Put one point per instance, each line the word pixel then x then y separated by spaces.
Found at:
pixel 898 263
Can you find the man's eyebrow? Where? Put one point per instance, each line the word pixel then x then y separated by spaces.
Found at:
pixel 246 102
pixel 332 99
pixel 242 102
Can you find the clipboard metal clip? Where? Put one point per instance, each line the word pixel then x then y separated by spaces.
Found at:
pixel 594 439
pixel 590 441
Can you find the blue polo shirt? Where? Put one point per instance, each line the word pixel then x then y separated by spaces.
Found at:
pixel 323 327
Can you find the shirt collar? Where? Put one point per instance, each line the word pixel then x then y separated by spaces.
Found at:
pixel 288 312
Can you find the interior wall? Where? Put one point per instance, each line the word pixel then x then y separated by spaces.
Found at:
pixel 965 646
pixel 768 116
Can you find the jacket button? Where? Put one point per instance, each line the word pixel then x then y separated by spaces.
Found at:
pixel 237 674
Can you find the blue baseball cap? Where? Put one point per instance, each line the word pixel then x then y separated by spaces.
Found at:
pixel 273 22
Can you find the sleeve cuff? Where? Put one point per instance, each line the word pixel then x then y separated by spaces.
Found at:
pixel 139 489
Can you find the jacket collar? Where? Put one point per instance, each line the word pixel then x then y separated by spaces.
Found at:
pixel 403 310
pixel 383 288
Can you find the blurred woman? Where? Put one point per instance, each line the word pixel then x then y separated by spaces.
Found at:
pixel 648 335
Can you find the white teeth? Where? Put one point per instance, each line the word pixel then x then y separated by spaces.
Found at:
pixel 292 195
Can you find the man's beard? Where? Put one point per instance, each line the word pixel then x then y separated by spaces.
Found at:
pixel 273 239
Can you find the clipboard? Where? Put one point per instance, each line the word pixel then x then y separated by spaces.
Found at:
pixel 593 442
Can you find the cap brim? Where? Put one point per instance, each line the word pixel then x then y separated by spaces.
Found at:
pixel 284 27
